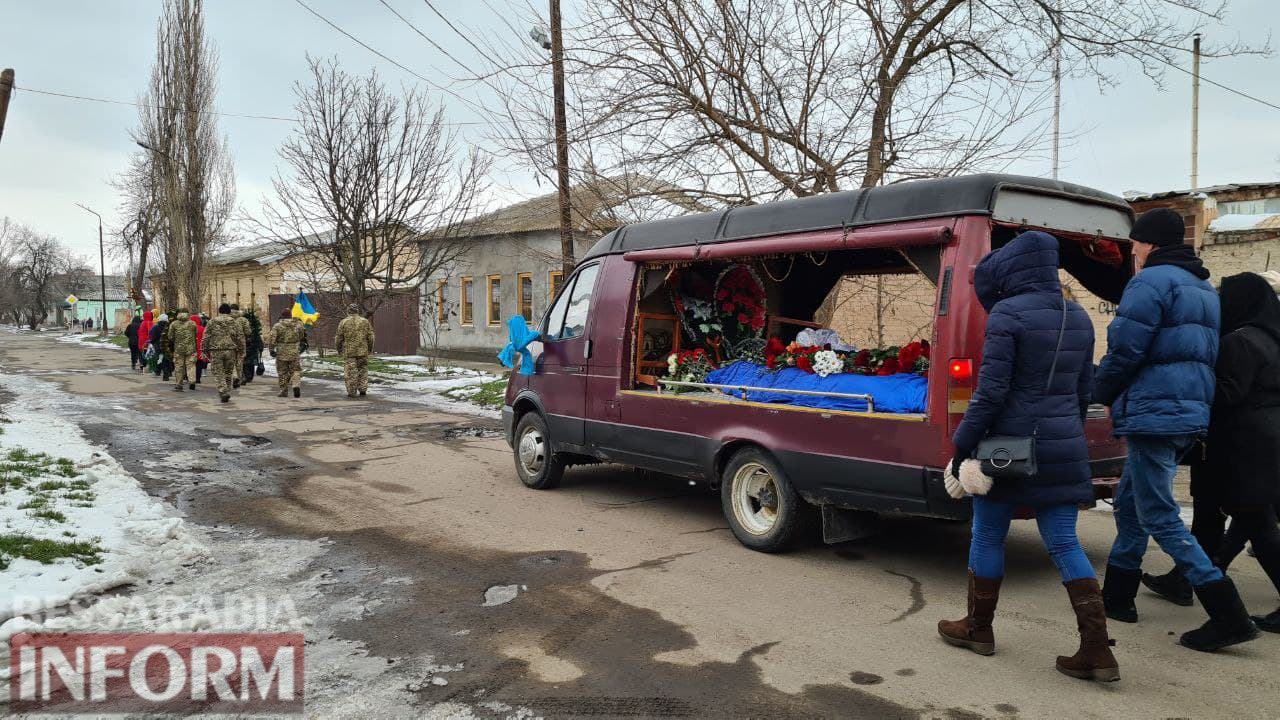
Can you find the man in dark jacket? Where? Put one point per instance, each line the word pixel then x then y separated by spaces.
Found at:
pixel 131 334
pixel 1157 377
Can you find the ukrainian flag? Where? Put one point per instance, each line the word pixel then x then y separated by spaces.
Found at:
pixel 304 310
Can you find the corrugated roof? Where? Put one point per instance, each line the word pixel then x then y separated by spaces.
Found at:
pixel 1210 190
pixel 1245 223
pixel 268 252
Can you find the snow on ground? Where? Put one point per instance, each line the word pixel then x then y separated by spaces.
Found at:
pixel 59 487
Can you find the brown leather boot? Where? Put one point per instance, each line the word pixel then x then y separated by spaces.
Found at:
pixel 974 631
pixel 1093 661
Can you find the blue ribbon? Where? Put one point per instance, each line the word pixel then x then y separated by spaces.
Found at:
pixel 520 335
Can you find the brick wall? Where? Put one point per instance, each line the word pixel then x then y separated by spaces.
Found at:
pixel 905 313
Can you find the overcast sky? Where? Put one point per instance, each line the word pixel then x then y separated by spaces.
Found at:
pixel 57 152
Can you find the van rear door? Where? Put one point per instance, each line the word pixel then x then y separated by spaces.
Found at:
pixel 566 351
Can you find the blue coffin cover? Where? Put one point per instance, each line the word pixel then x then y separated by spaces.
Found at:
pixel 900 393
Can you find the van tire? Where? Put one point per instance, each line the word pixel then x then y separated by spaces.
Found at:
pixel 537 466
pixel 764 511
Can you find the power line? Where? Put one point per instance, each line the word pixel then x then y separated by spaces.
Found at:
pixel 249 116
pixel 384 56
pixel 1229 89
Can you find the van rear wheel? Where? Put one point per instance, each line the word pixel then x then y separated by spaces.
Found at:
pixel 763 509
pixel 537 466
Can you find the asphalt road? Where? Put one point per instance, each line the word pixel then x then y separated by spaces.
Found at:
pixel 637 601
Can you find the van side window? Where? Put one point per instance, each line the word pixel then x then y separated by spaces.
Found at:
pixel 567 318
pixel 575 316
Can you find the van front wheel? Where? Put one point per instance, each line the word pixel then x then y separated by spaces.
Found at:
pixel 763 509
pixel 537 466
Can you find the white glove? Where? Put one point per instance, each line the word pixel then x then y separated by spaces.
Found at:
pixel 952 483
pixel 972 479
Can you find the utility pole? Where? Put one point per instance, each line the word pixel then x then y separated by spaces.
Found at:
pixel 562 141
pixel 1057 103
pixel 102 265
pixel 6 89
pixel 1195 113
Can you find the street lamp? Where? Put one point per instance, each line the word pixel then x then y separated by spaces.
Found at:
pixel 102 266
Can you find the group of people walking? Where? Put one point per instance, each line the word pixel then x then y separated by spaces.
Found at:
pixel 1192 376
pixel 229 346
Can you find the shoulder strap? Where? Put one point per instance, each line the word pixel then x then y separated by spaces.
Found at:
pixel 1061 331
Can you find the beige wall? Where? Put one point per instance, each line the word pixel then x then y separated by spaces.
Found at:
pixel 906 310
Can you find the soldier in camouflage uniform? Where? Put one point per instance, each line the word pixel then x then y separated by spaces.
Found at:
pixel 242 324
pixel 285 344
pixel 182 338
pixel 355 342
pixel 224 342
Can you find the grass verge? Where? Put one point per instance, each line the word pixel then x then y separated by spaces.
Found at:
pixel 13 546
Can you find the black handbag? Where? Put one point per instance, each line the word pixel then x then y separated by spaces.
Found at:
pixel 1007 457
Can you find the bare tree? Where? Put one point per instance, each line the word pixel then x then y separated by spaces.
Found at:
pixel 38 272
pixel 744 101
pixel 181 191
pixel 374 188
pixel 144 222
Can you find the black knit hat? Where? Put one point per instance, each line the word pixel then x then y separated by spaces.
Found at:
pixel 224 309
pixel 1160 227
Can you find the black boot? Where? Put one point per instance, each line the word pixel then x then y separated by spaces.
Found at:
pixel 1118 591
pixel 297 392
pixel 1171 586
pixel 1270 623
pixel 1229 622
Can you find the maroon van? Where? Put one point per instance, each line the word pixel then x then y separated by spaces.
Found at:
pixel 883 266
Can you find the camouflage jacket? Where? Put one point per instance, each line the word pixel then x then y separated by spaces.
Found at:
pixel 242 323
pixel 182 336
pixel 285 339
pixel 223 334
pixel 355 336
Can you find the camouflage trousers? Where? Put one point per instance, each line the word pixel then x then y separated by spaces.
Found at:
pixel 184 369
pixel 355 372
pixel 288 374
pixel 222 363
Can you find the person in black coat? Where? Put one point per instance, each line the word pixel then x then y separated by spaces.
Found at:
pixel 1027 387
pixel 131 334
pixel 1243 448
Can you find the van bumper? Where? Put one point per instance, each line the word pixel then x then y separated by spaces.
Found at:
pixel 508 424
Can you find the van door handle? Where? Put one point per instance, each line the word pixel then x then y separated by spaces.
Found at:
pixel 586 350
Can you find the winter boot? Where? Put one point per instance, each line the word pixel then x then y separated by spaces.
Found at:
pixel 235 382
pixel 225 398
pixel 192 386
pixel 1093 661
pixel 1229 623
pixel 177 388
pixel 284 393
pixel 1171 586
pixel 1270 623
pixel 363 393
pixel 1118 591
pixel 297 392
pixel 974 631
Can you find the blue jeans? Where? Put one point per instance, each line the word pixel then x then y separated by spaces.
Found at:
pixel 1144 506
pixel 1057 525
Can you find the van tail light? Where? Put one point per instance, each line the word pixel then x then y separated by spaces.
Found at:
pixel 959 388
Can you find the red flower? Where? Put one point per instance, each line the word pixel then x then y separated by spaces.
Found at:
pixel 803 363
pixel 774 347
pixel 722 294
pixel 862 359
pixel 742 318
pixel 924 345
pixel 889 367
pixel 770 361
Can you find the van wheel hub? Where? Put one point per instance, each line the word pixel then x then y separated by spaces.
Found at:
pixel 755 498
pixel 532 451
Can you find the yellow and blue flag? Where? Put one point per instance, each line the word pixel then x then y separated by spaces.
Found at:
pixel 304 310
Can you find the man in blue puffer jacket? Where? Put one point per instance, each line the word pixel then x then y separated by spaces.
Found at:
pixel 1158 379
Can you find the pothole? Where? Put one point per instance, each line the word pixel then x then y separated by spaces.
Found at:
pixel 454 433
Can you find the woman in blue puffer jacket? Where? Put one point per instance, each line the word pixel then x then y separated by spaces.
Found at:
pixel 1022 390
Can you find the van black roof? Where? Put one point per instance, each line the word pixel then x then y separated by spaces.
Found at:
pixel 965 195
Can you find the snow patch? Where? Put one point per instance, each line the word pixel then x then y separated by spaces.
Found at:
pixel 501 594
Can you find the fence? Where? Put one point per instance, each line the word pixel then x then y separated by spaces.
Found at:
pixel 395 324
